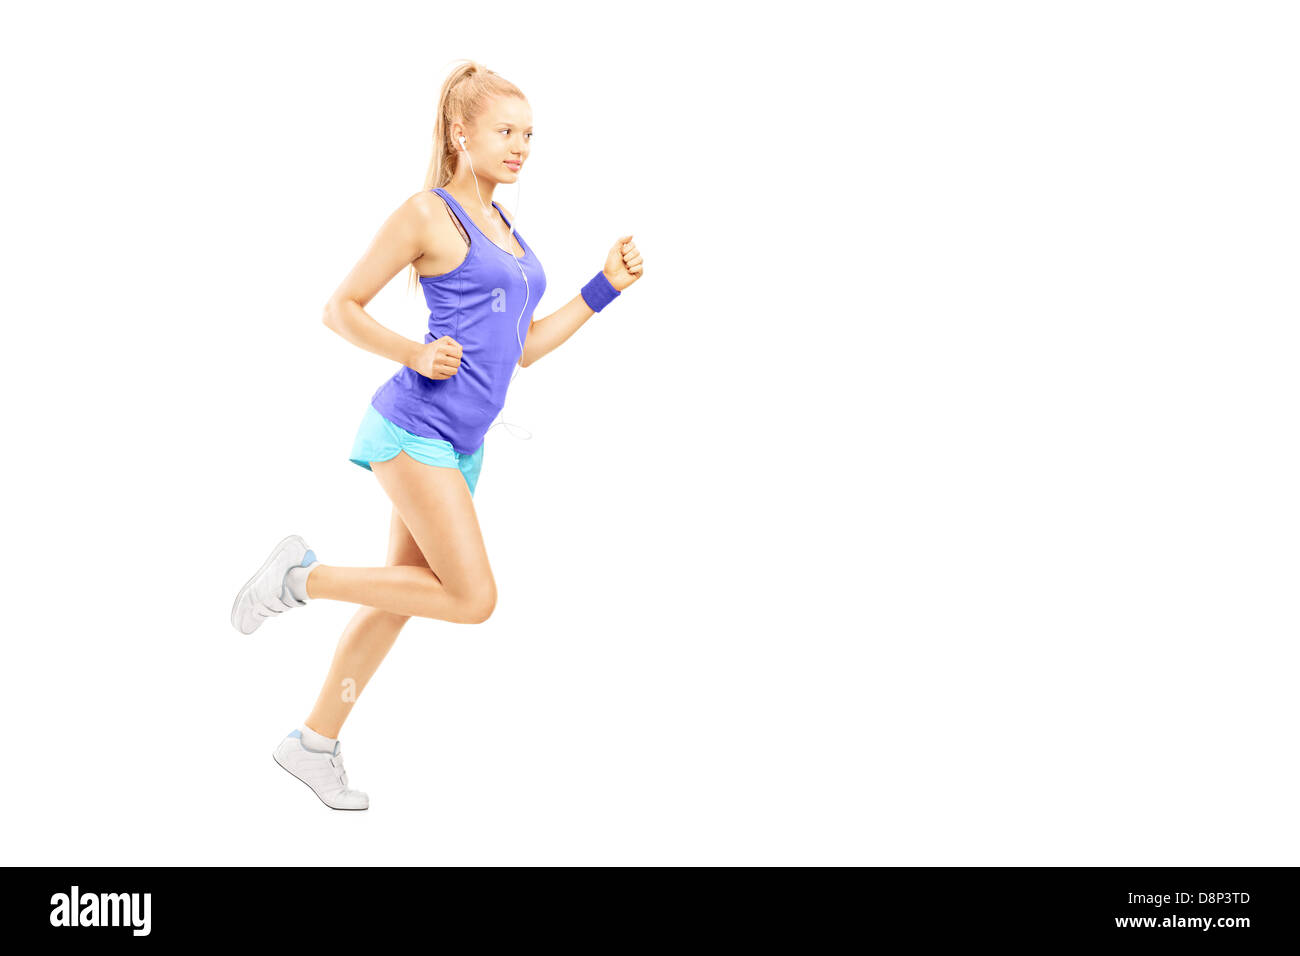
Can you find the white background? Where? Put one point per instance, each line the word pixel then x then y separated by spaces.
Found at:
pixel 932 499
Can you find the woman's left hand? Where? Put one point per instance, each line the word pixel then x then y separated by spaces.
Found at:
pixel 623 264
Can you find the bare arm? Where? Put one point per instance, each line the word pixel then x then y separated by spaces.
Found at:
pixel 400 241
pixel 554 330
pixel 623 266
pixel 550 333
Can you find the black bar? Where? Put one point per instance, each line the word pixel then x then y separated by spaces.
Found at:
pixel 1047 905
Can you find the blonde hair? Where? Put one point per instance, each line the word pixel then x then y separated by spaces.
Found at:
pixel 465 94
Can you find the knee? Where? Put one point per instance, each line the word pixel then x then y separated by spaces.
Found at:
pixel 480 604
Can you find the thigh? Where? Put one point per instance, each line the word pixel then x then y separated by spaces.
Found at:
pixel 435 505
pixel 402 549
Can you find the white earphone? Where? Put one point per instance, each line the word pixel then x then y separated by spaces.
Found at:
pixel 527 293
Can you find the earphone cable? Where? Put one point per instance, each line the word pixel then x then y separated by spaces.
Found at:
pixel 527 288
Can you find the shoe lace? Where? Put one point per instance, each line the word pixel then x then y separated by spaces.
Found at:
pixel 336 762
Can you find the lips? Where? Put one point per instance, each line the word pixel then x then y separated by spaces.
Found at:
pixel 513 165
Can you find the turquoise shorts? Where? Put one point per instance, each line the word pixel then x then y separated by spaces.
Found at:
pixel 378 439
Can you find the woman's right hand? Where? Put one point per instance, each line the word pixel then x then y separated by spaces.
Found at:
pixel 438 359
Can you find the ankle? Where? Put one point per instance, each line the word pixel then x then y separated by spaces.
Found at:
pixel 306 578
pixel 314 740
pixel 295 580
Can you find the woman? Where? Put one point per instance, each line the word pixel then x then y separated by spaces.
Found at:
pixel 422 435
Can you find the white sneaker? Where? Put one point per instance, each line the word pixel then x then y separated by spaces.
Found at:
pixel 321 771
pixel 267 592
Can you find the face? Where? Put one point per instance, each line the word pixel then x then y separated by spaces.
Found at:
pixel 499 142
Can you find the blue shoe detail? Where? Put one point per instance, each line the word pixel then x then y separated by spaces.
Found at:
pixel 309 559
pixel 296 733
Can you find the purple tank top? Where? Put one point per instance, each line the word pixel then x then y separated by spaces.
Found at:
pixel 478 304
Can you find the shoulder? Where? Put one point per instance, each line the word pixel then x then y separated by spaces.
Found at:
pixel 421 223
pixel 425 213
pixel 424 203
pixel 509 213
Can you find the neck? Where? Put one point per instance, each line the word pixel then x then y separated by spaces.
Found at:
pixel 468 193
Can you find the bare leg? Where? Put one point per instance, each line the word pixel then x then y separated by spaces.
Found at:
pixel 433 524
pixel 405 591
pixel 365 642
pixel 436 507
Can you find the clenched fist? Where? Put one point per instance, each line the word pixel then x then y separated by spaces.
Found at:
pixel 438 359
pixel 623 264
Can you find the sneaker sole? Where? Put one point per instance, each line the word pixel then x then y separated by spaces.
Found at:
pixel 234 608
pixel 309 786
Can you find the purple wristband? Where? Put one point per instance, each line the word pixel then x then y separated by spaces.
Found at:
pixel 598 293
